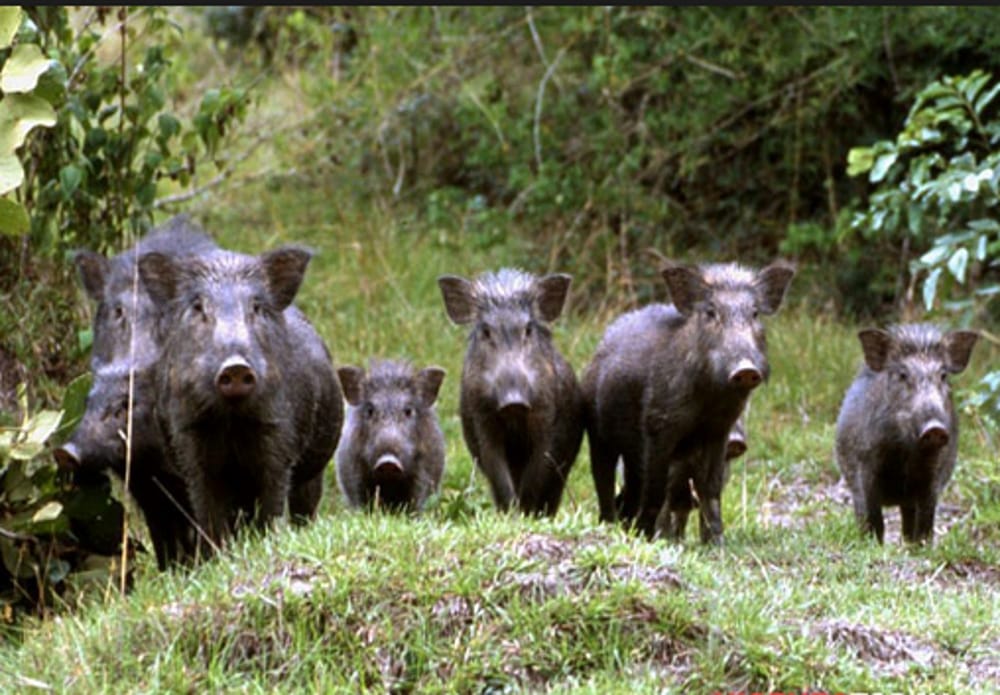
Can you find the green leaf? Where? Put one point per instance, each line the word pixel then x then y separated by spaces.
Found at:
pixel 49 512
pixel 10 20
pixel 41 426
pixel 14 218
pixel 985 98
pixel 11 173
pixel 957 264
pixel 74 401
pixel 981 248
pixel 69 178
pixel 882 165
pixel 19 113
pixel 930 288
pixel 21 71
pixel 859 160
pixel 169 125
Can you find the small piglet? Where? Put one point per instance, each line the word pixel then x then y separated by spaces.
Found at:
pixel 897 434
pixel 520 402
pixel 392 450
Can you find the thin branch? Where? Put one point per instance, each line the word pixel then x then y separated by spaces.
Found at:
pixel 536 129
pixel 16 536
pixel 712 67
pixel 537 40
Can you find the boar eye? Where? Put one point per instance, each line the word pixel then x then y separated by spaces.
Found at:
pixel 902 376
pixel 486 332
pixel 258 307
pixel 369 411
pixel 710 313
pixel 528 331
pixel 119 311
pixel 197 306
pixel 408 412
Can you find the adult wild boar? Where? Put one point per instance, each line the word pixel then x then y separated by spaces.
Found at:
pixel 666 387
pixel 519 401
pixel 246 393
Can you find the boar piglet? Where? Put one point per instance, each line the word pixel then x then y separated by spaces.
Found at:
pixel 519 400
pixel 897 434
pixel 246 393
pixel 690 367
pixel 98 445
pixel 392 450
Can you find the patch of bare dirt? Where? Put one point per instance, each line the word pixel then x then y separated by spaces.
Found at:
pixel 796 504
pixel 559 573
pixel 888 652
pixel 962 573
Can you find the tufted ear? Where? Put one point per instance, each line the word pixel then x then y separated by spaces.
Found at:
pixel 285 268
pixel 686 285
pixel 771 285
pixel 459 298
pixel 351 380
pixel 958 348
pixel 160 276
pixel 94 269
pixel 875 344
pixel 429 383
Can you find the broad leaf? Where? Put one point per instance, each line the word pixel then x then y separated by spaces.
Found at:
pixel 10 20
pixel 13 218
pixel 958 263
pixel 19 113
pixel 50 511
pixel 882 165
pixel 21 71
pixel 859 160
pixel 11 173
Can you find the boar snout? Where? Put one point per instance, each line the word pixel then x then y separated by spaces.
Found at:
pixel 746 375
pixel 934 435
pixel 236 379
pixel 67 456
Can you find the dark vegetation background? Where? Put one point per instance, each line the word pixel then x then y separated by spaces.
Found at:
pixel 593 140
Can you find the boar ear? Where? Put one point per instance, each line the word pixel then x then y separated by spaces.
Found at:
pixel 93 269
pixel 875 344
pixel 459 298
pixel 552 291
pixel 285 267
pixel 958 349
pixel 429 383
pixel 350 381
pixel 771 284
pixel 686 286
pixel 159 275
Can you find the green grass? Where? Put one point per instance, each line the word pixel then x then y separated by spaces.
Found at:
pixel 464 599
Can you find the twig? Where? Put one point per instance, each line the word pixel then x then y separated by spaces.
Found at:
pixel 16 536
pixel 537 40
pixel 712 67
pixel 537 130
